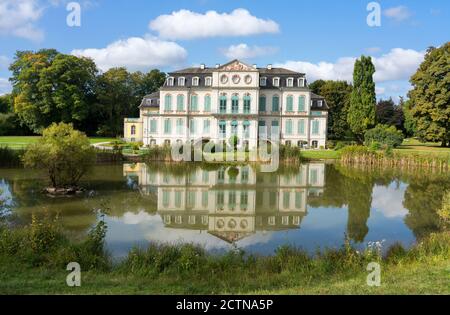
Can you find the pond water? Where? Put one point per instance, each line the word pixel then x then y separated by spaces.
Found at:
pixel 311 206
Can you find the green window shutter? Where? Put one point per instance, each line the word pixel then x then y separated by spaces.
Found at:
pixel 180 103
pixel 298 200
pixel 194 103
pixel 223 104
pixel 207 103
pixel 205 199
pixel 168 103
pixel 206 126
pixel 166 198
pixel 290 104
pixel 193 127
pixel 262 103
pixel 153 126
pixel 289 127
pixel 167 126
pixel 235 104
pixel 247 104
pixel 275 104
pixel 286 199
pixel 301 104
pixel 180 126
pixel 315 127
pixel 301 127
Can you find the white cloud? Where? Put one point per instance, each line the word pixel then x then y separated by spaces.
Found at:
pixel 397 65
pixel 5 86
pixel 185 24
pixel 398 14
pixel 388 201
pixel 136 53
pixel 19 17
pixel 244 51
pixel 340 70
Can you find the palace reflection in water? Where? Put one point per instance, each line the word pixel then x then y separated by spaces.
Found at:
pixel 230 202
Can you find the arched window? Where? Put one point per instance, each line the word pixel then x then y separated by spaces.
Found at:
pixel 170 81
pixel 207 106
pixel 168 102
pixel 195 81
pixel 275 103
pixel 180 103
pixel 133 130
pixel 262 103
pixel 235 104
pixel 247 103
pixel 223 104
pixel 181 81
pixel 194 102
pixel 290 103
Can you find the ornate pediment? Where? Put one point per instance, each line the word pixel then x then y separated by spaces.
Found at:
pixel 236 65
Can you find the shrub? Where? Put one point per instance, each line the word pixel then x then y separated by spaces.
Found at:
pixel 64 154
pixel 387 136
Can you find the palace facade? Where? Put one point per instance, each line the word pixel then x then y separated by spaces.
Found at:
pixel 204 103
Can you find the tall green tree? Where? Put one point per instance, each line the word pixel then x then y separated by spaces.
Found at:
pixel 337 94
pixel 117 99
pixel 389 113
pixel 430 96
pixel 52 87
pixel 361 112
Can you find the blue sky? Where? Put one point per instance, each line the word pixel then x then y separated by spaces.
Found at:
pixel 321 38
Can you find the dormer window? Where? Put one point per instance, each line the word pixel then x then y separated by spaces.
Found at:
pixel 148 101
pixel 263 81
pixel 170 81
pixel 195 81
pixel 181 81
pixel 208 81
pixel 319 103
pixel 276 81
pixel 290 82
pixel 301 82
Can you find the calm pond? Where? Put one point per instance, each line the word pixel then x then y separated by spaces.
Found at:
pixel 312 206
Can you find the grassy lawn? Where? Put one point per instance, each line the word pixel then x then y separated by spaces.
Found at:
pixel 413 146
pixel 23 142
pixel 429 276
pixel 320 154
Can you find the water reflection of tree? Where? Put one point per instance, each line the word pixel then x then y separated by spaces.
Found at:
pixel 423 199
pixel 351 188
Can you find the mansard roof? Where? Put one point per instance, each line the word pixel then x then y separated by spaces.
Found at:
pixel 245 67
pixel 151 100
pixel 315 102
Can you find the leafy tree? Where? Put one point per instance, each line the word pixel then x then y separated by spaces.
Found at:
pixel 337 94
pixel 386 135
pixel 65 155
pixel 150 82
pixel 361 112
pixel 52 87
pixel 117 98
pixel 409 124
pixel 388 113
pixel 6 103
pixel 430 96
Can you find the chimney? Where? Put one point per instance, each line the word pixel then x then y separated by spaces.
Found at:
pixel 217 65
pixel 255 66
pixel 269 67
pixel 202 66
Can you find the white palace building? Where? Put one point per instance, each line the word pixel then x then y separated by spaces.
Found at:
pixel 213 104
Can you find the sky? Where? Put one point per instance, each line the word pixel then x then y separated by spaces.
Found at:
pixel 321 38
